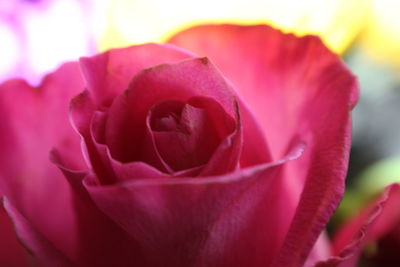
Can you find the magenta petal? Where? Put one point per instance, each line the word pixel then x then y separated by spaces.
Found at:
pixel 33 121
pixel 255 149
pixel 117 171
pixel 109 73
pixel 87 121
pixel 180 134
pixel 277 74
pixel 12 253
pixel 201 134
pixel 380 219
pixel 100 242
pixel 125 128
pixel 207 221
pixel 43 250
pixel 297 89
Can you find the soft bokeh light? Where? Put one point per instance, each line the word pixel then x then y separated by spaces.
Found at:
pixel 37 36
pixel 152 20
pixel 9 49
pixel 67 37
pixel 381 39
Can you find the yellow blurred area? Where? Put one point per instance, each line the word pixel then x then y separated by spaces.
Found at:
pixel 381 39
pixel 337 22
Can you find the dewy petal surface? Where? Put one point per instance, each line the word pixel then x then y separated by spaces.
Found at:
pixel 297 89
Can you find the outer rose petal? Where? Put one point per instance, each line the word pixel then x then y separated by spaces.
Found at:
pixel 12 253
pixel 45 252
pixel 378 220
pixel 297 88
pixel 108 74
pixel 101 242
pixel 33 121
pixel 37 190
pixel 203 221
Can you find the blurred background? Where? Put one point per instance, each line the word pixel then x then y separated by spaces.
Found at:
pixel 37 35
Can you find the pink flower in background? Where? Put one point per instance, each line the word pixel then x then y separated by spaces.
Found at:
pixel 232 156
pixel 37 35
pixel 371 238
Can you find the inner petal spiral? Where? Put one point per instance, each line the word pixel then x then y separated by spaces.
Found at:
pixel 184 134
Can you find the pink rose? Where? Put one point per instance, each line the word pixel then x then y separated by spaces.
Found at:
pixel 372 237
pixel 237 159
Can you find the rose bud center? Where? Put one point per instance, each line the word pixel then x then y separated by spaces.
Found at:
pixel 184 134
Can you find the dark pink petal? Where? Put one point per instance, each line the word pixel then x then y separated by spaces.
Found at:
pixel 277 74
pixel 207 221
pixel 44 252
pixel 83 116
pixel 125 130
pixel 117 171
pixel 194 136
pixel 184 138
pixel 255 149
pixel 108 74
pixel 33 121
pixel 12 253
pixel 379 222
pixel 225 158
pixel 296 88
pixel 100 242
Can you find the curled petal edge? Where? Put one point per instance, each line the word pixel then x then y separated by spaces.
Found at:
pixel 34 241
pixel 293 154
pixel 349 253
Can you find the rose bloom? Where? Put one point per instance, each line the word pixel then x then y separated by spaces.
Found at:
pixel 232 154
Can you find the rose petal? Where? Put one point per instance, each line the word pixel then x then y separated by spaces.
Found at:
pixel 276 74
pixel 372 224
pixel 12 253
pixel 99 241
pixel 255 149
pixel 118 72
pixel 297 88
pixel 117 171
pixel 125 127
pixel 33 121
pixel 83 117
pixel 206 221
pixel 43 250
pixel 186 141
pixel 108 74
